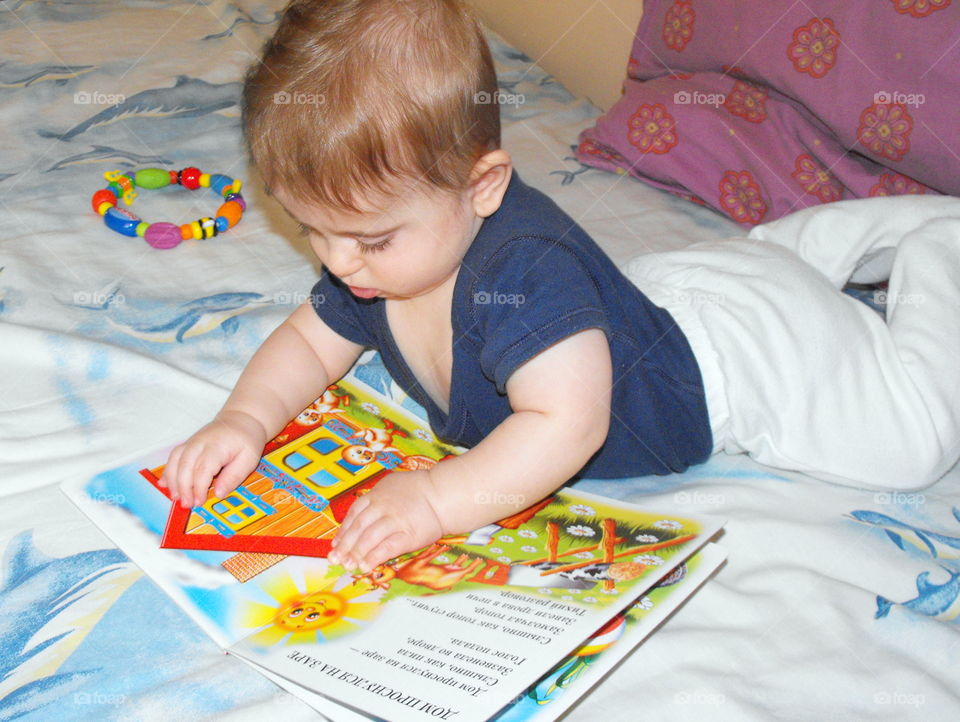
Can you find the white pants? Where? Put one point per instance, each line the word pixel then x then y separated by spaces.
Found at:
pixel 803 377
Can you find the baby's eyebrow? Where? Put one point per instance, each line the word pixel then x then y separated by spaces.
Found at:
pixel 357 234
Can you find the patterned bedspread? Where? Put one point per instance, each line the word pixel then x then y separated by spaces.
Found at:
pixel 835 603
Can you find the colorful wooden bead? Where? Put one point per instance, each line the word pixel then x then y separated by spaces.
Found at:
pixel 190 178
pixel 151 178
pixel 208 228
pixel 219 182
pixel 163 235
pixel 232 211
pixel 205 180
pixel 238 198
pixel 122 221
pixel 196 232
pixel 104 195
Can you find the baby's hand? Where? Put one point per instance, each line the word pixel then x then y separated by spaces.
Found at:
pixel 395 517
pixel 231 444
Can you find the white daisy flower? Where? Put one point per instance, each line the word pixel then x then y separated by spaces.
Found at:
pixel 584 555
pixel 505 559
pixel 667 524
pixel 528 549
pixel 582 510
pixel 370 408
pixel 580 530
pixel 567 598
pixel 647 538
pixel 505 539
pixel 422 434
pixel 545 590
pixel 443 559
pixel 527 533
pixel 645 603
pixel 651 560
pixel 495 550
pixel 592 600
pixel 611 592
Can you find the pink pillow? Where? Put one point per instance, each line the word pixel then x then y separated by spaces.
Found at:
pixel 758 110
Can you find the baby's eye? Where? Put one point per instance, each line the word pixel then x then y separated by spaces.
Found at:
pixel 374 246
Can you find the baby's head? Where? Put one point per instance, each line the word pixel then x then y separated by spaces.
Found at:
pixel 358 98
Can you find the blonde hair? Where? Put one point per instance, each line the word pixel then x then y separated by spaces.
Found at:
pixel 351 96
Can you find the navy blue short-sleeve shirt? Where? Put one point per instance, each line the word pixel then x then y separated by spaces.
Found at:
pixel 533 277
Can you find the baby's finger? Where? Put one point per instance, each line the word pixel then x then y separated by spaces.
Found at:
pixel 384 550
pixel 182 472
pixel 358 506
pixel 171 464
pixel 203 474
pixel 351 533
pixel 231 476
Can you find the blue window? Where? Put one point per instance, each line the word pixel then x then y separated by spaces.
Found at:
pixel 324 446
pixel 323 478
pixel 295 460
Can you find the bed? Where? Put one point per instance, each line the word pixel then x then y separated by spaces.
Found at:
pixel 835 603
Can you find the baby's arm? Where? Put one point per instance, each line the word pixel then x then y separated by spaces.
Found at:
pixel 292 368
pixel 561 415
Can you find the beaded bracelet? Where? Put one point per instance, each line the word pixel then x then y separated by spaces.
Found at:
pixel 167 235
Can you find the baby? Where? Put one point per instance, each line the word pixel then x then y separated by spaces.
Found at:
pixel 372 125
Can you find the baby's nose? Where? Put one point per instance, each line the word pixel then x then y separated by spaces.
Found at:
pixel 343 259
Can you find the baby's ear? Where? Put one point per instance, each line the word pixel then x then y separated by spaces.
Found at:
pixel 489 179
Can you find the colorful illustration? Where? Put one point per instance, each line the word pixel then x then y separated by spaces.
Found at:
pixel 337 449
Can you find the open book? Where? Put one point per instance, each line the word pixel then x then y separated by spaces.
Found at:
pixel 513 621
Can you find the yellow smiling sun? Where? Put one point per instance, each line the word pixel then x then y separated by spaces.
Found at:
pixel 312 612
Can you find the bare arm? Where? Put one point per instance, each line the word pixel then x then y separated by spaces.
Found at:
pixel 561 415
pixel 292 368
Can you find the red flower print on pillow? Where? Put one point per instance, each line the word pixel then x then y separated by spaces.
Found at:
pixel 814 47
pixel 591 147
pixel 885 130
pixel 817 180
pixel 652 129
pixel 741 198
pixel 747 102
pixel 678 25
pixel 897 184
pixel 919 8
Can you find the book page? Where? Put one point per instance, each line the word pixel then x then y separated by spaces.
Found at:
pixel 457 634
